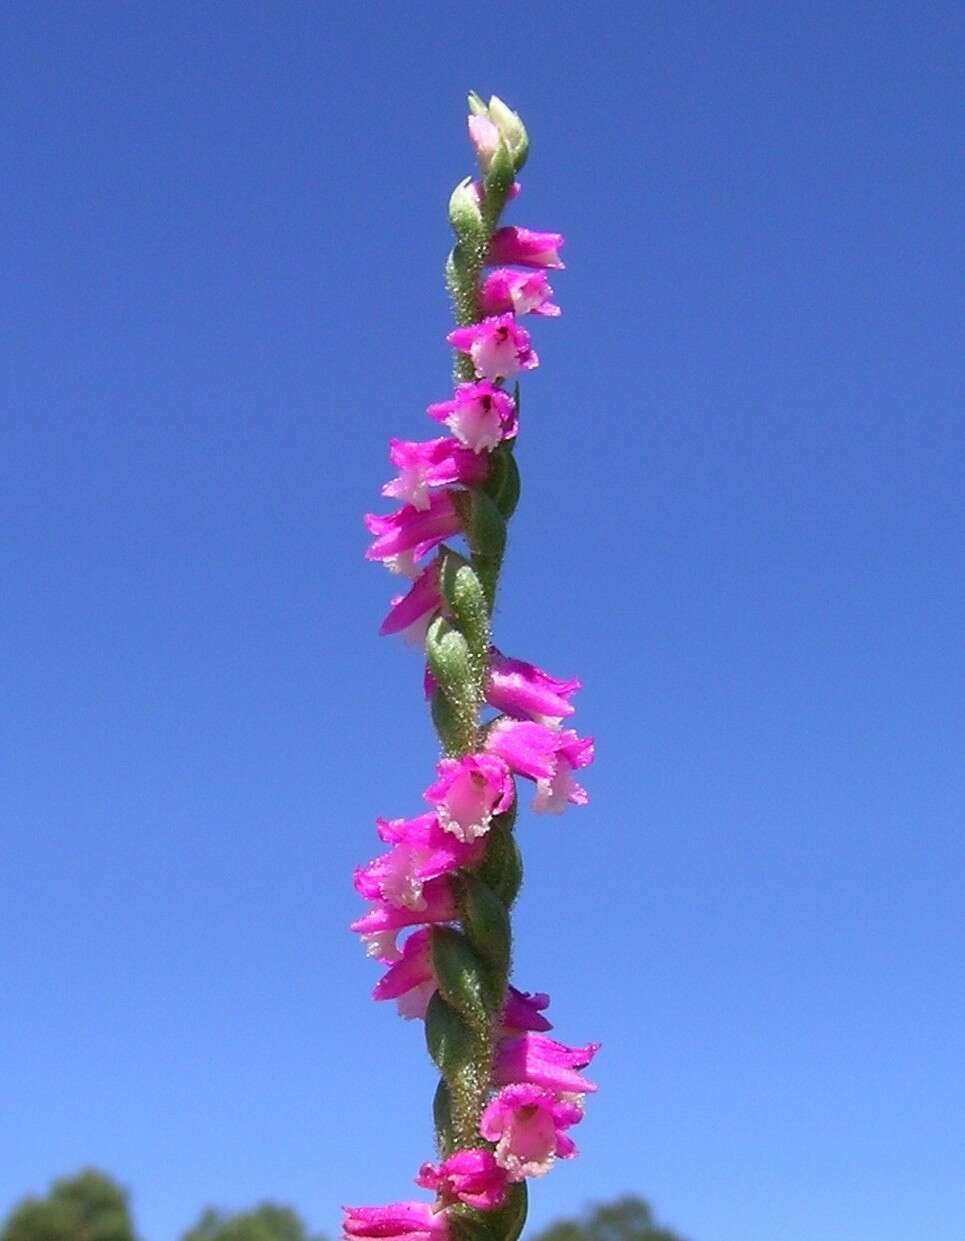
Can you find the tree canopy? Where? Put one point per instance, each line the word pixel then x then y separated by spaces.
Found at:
pixel 87 1207
pixel 625 1219
pixel 92 1207
pixel 266 1222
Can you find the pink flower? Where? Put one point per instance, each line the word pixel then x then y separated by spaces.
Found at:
pixel 414 1221
pixel 479 416
pixel 526 692
pixel 497 347
pixel 541 1061
pixel 525 248
pixel 430 463
pixel 519 291
pixel 469 791
pixel 379 926
pixel 523 1011
pixel 410 980
pixel 547 755
pixel 527 1122
pixel 411 614
pixel 555 792
pixel 484 137
pixel 421 851
pixel 470 1176
pixel 409 529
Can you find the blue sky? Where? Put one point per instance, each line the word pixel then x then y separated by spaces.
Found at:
pixel 741 526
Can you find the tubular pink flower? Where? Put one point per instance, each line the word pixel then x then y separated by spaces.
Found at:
pixel 470 1176
pixel 526 692
pixel 525 248
pixel 469 791
pixel 528 748
pixel 524 293
pixel 523 1011
pixel 526 1122
pixel 479 416
pixel 484 137
pixel 409 529
pixel 431 463
pixel 440 906
pixel 554 792
pixel 497 346
pixel 421 851
pixel 541 1061
pixel 547 755
pixel 411 614
pixel 414 1221
pixel 410 980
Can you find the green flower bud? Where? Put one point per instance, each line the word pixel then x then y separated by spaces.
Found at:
pixel 511 128
pixel 464 214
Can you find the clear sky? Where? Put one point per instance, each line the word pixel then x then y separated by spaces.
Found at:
pixel 222 234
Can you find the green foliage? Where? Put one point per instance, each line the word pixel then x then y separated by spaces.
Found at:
pixel 626 1219
pixel 85 1207
pixel 266 1222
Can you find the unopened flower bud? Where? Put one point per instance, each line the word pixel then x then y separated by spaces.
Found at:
pixel 464 214
pixel 511 129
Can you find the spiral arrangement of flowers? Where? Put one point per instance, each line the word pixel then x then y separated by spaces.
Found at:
pixel 509 1094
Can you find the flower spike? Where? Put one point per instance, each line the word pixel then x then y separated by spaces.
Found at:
pixel 441 892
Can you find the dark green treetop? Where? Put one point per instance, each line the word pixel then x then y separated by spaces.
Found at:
pixel 266 1222
pixel 86 1207
pixel 626 1219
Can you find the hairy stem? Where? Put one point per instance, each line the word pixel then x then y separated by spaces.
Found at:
pixel 471 964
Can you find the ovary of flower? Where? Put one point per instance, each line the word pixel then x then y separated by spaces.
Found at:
pixel 499 348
